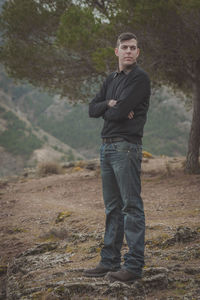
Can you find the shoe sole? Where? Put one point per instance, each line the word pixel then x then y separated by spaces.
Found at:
pixel 98 275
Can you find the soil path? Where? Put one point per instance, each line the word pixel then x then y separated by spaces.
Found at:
pixel 30 207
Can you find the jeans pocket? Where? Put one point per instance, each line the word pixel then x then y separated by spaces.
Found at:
pixel 135 151
pixel 122 146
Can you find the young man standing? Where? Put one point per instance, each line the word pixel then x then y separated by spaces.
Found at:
pixel 123 103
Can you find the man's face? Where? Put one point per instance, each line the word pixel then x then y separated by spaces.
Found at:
pixel 127 53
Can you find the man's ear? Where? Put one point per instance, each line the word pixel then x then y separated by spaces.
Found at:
pixel 116 51
pixel 138 52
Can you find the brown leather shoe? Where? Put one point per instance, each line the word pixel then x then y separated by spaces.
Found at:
pixel 98 271
pixel 123 276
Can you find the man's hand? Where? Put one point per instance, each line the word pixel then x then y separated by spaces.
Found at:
pixel 131 115
pixel 112 103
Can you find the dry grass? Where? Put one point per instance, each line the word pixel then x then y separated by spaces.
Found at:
pixel 48 168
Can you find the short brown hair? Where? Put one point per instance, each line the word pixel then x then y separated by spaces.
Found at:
pixel 125 36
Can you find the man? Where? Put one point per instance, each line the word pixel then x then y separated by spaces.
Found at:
pixel 123 103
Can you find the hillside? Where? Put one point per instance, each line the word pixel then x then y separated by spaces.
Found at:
pixel 52 228
pixel 22 144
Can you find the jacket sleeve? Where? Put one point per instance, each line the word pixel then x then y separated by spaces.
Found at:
pixel 134 93
pixel 98 105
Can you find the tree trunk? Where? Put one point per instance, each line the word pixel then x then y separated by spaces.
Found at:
pixel 192 160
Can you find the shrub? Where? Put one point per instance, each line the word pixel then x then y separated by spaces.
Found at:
pixel 18 139
pixel 48 168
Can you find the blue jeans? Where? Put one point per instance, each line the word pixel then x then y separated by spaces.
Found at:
pixel 120 171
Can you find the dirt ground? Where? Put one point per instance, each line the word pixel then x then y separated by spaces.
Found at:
pixel 30 207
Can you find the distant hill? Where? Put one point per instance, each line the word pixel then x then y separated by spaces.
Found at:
pixel 168 125
pixel 22 143
pixel 31 119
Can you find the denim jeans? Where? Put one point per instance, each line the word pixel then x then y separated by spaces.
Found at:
pixel 120 171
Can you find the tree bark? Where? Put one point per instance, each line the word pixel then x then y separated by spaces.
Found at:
pixel 192 165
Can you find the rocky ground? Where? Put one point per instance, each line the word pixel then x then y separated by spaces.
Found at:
pixel 52 228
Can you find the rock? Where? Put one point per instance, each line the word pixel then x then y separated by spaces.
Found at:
pixel 155 271
pixel 182 235
pixel 30 272
pixel 192 271
pixel 139 288
pixel 67 165
pixel 86 164
pixel 159 281
pixel 185 234
pixel 41 273
pixel 3 183
pixel 41 248
pixel 93 165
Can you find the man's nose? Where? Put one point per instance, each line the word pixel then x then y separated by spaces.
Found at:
pixel 128 49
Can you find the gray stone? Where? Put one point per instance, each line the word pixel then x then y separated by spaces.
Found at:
pixel 41 248
pixel 192 271
pixel 155 271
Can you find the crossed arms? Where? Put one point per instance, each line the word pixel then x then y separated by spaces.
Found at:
pixel 112 103
pixel 135 91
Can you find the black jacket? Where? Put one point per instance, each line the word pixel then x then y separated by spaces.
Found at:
pixel 132 92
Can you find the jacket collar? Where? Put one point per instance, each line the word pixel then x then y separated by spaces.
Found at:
pixel 126 71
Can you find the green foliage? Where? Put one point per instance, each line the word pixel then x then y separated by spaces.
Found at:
pixel 70 156
pixel 17 139
pixel 17 13
pixel 78 29
pixel 59 44
pixel 37 43
pixel 13 121
pixel 169 33
pixel 104 59
pixel 2 110
pixel 45 138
